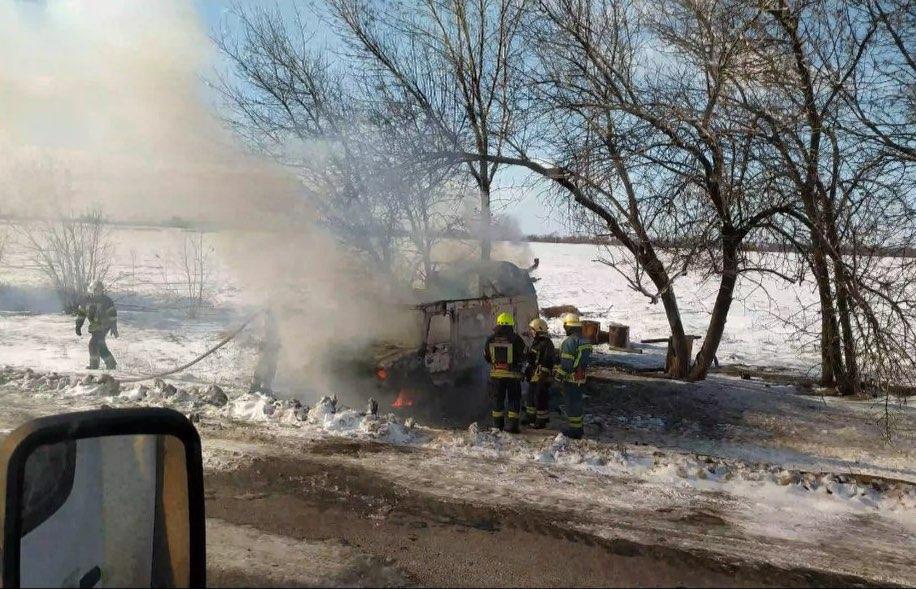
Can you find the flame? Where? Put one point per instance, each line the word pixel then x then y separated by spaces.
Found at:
pixel 404 399
pixel 381 373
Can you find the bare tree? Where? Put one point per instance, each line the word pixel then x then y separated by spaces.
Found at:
pixel 71 252
pixel 882 93
pixel 352 155
pixel 654 157
pixel 195 268
pixel 845 172
pixel 187 272
pixel 451 63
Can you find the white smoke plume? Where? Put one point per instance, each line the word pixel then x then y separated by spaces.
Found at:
pixel 102 103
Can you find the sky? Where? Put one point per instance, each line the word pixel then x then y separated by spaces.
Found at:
pixel 523 204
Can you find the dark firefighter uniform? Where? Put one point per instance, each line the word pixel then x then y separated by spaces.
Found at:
pixel 100 311
pixel 541 358
pixel 504 351
pixel 575 354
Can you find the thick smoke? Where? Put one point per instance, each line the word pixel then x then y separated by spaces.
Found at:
pixel 102 104
pixel 103 100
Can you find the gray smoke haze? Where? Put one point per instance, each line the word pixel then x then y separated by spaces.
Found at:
pixel 102 100
pixel 102 104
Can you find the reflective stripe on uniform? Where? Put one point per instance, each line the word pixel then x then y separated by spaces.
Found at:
pixel 575 420
pixel 496 413
pixel 543 413
pixel 567 356
pixel 513 415
pixel 579 351
pixel 540 373
pixel 531 410
pixel 499 345
pixel 503 373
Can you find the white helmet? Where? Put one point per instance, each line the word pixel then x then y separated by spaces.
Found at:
pixel 538 325
pixel 572 320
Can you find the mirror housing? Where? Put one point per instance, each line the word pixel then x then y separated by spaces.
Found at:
pixel 147 437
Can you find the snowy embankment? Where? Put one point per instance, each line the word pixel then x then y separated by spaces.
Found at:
pixel 614 488
pixel 678 468
pixel 52 392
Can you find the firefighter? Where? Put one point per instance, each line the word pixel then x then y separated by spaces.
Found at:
pixel 575 354
pixel 100 310
pixel 268 356
pixel 505 353
pixel 539 374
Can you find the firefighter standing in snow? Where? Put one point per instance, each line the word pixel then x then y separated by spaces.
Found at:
pixel 505 353
pixel 541 358
pixel 575 354
pixel 100 310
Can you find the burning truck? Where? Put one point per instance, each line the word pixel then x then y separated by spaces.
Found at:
pixel 456 314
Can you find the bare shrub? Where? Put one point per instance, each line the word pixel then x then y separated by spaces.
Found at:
pixel 71 252
pixel 188 273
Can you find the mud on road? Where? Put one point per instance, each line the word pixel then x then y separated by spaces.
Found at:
pixel 386 534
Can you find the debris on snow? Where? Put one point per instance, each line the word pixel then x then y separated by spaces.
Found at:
pixel 215 396
pixel 138 393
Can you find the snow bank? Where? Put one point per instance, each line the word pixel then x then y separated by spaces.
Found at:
pixel 764 483
pixel 326 418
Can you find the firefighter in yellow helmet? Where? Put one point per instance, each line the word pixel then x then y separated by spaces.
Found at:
pixel 575 354
pixel 541 358
pixel 504 351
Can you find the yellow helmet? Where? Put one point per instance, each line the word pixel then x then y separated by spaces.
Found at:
pixel 538 325
pixel 505 319
pixel 571 320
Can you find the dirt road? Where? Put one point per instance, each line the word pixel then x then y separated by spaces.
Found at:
pixel 384 534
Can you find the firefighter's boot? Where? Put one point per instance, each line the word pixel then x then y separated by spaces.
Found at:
pixel 573 433
pixel 512 424
pixel 529 419
pixel 542 419
pixel 499 419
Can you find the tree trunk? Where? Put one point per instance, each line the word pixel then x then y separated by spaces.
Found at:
pixel 486 217
pixel 681 365
pixel 655 270
pixel 720 309
pixel 850 384
pixel 828 378
pixel 831 352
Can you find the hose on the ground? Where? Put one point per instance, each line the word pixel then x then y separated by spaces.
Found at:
pixel 222 343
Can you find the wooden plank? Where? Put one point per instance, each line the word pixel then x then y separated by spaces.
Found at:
pixel 626 350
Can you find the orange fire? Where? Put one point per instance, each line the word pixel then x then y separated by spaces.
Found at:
pixel 403 400
pixel 381 373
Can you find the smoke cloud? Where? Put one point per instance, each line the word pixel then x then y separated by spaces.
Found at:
pixel 102 103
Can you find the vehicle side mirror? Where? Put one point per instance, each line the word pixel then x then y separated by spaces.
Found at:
pixel 110 498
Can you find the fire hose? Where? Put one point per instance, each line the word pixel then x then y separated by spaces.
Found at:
pixel 221 343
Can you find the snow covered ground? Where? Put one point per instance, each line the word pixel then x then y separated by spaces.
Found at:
pixel 755 334
pixel 748 485
pixel 743 469
pixel 158 335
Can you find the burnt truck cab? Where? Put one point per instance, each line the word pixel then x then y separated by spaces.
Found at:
pixel 456 315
